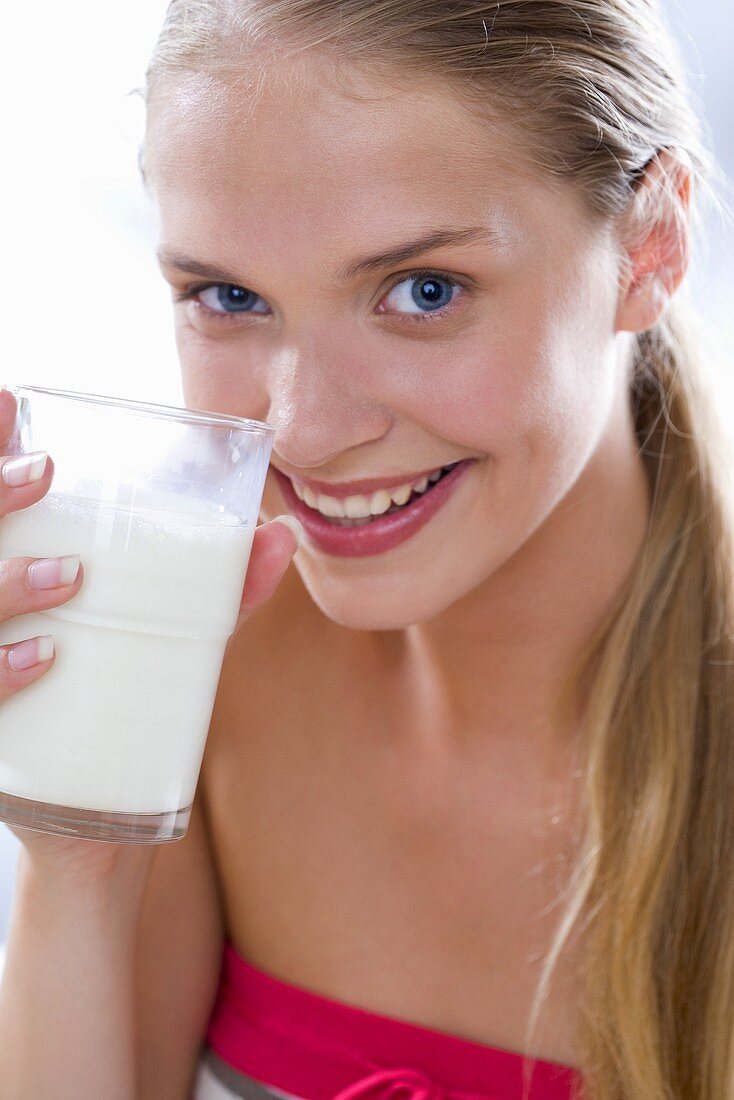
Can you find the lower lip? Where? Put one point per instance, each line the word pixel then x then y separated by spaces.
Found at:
pixel 381 534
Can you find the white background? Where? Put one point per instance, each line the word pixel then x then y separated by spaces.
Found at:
pixel 83 304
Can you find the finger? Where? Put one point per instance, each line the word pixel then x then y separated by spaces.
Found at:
pixel 29 585
pixel 23 662
pixel 24 479
pixel 273 547
pixel 7 417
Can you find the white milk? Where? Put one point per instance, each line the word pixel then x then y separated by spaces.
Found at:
pixel 120 721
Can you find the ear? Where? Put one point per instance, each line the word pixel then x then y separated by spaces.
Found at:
pixel 655 241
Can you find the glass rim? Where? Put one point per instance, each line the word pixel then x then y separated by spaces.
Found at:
pixel 163 412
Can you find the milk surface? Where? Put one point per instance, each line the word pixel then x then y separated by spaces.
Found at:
pixel 119 722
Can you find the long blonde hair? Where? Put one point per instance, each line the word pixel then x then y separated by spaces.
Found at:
pixel 598 87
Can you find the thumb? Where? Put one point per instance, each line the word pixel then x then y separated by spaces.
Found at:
pixel 273 546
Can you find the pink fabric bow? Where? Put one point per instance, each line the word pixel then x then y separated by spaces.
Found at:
pixel 392 1084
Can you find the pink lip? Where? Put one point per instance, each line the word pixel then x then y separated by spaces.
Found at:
pixel 343 489
pixel 381 534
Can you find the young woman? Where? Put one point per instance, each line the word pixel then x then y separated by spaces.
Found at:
pixel 465 825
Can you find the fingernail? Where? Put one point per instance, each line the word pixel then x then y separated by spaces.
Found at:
pixel 30 653
pixel 294 524
pixel 53 572
pixel 26 469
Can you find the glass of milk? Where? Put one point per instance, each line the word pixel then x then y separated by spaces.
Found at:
pixel 162 505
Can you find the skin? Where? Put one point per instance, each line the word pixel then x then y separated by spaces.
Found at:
pixel 434 742
pixel 526 371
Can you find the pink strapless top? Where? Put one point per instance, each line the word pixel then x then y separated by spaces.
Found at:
pixel 267 1038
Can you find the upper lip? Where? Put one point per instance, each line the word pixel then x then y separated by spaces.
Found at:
pixel 342 489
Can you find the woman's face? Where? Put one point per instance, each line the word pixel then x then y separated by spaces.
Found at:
pixel 393 290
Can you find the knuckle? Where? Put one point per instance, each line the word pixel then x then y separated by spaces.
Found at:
pixel 6 671
pixel 14 571
pixel 11 587
pixel 15 589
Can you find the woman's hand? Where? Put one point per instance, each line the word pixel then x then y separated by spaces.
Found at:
pixel 273 546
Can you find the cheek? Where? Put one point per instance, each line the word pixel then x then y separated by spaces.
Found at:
pixel 526 391
pixel 198 380
pixel 215 376
pixel 531 379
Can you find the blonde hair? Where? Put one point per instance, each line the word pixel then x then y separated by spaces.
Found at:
pixel 599 88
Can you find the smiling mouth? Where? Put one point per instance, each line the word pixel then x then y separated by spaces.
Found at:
pixel 377 505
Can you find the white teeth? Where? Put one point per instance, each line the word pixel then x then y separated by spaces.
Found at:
pixel 357 507
pixel 402 494
pixel 346 522
pixel 362 507
pixel 380 502
pixel 328 506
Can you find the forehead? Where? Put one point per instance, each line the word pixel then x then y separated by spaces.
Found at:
pixel 309 151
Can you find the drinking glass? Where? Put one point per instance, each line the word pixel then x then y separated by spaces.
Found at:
pixel 162 505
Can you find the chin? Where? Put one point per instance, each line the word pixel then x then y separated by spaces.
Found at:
pixel 372 603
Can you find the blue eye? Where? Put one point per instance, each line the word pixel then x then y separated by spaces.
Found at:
pixel 421 294
pixel 225 298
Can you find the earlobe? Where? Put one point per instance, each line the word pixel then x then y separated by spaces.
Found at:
pixel 655 242
pixel 644 301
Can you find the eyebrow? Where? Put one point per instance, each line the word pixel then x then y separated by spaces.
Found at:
pixel 435 238
pixel 195 267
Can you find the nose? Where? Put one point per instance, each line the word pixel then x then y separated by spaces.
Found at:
pixel 318 407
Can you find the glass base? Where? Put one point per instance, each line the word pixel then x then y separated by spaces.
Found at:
pixel 120 828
